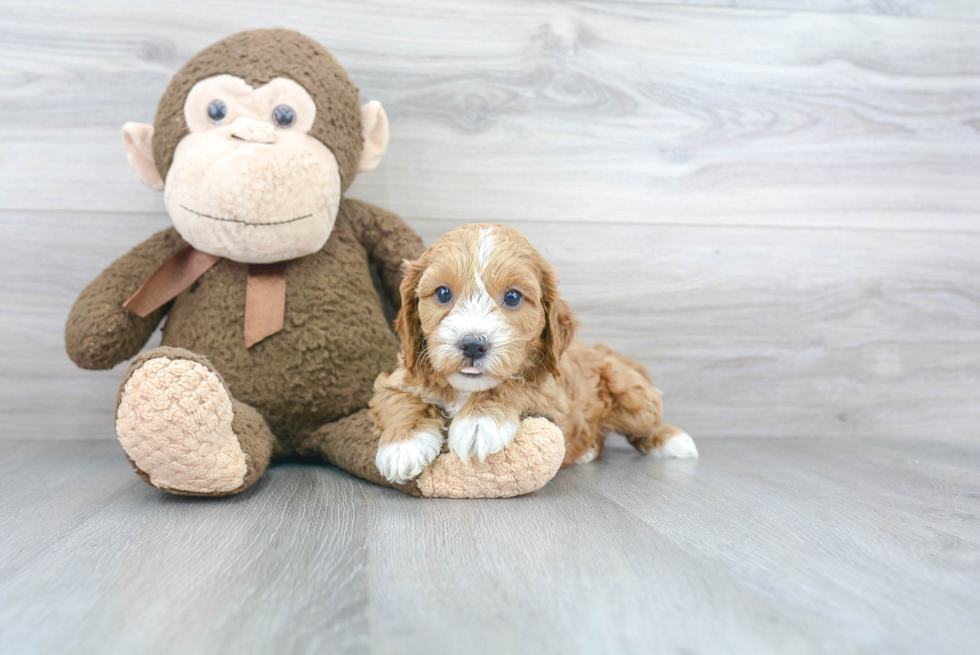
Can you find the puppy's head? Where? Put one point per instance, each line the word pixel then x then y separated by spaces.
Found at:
pixel 481 306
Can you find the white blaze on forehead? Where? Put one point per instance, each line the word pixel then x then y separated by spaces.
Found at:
pixel 484 246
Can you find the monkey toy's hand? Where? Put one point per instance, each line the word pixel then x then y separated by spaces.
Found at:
pixel 100 332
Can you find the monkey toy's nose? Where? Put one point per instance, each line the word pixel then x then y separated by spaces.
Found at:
pixel 249 129
pixel 474 346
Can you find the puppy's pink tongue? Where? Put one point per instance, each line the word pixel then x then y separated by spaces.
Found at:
pixel 470 370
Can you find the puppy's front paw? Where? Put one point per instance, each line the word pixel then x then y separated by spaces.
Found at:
pixel 480 435
pixel 402 461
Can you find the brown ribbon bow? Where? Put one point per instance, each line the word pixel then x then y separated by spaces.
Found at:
pixel 265 294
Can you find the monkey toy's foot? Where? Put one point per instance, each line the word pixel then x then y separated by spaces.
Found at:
pixel 522 467
pixel 174 419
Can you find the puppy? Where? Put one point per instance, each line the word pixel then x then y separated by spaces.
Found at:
pixel 486 342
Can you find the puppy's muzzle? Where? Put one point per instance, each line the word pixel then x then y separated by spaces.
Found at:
pixel 474 346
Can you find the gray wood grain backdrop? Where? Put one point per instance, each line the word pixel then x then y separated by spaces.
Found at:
pixel 773 204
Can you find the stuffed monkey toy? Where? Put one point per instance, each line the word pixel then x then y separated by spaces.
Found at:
pixel 275 331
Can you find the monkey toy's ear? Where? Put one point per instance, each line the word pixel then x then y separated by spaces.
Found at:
pixel 138 141
pixel 374 126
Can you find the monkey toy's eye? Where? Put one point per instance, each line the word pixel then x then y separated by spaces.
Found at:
pixel 283 116
pixel 513 298
pixel 444 295
pixel 217 111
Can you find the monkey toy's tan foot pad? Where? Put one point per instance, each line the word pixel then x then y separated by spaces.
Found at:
pixel 522 467
pixel 174 419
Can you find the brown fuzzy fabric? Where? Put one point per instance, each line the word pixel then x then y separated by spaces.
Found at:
pixel 256 441
pixel 257 57
pixel 100 332
pixel 320 368
pixel 335 338
pixel 350 443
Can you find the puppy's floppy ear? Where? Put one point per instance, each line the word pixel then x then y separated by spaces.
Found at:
pixel 560 323
pixel 408 325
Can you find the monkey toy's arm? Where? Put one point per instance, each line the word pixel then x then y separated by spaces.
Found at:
pixel 101 332
pixel 388 240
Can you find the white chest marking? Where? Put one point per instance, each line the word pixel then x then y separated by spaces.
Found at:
pixel 449 410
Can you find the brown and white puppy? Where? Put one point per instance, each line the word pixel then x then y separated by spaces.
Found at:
pixel 485 342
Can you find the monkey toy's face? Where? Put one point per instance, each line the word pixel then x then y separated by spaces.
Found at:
pixel 247 180
pixel 249 183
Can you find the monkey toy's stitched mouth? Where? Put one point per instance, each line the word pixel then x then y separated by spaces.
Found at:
pixel 240 221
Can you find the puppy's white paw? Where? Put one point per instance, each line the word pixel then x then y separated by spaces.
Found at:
pixel 402 461
pixel 680 445
pixel 587 456
pixel 480 435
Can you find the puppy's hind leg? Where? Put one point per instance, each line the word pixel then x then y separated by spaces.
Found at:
pixel 671 441
pixel 637 410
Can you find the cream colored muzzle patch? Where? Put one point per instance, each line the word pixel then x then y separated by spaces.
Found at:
pixel 174 421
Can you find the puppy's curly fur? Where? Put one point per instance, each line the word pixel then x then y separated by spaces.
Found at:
pixel 485 342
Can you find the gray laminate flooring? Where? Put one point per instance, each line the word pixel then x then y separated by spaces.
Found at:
pixel 761 546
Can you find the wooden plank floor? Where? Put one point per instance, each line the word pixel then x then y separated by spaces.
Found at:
pixel 761 546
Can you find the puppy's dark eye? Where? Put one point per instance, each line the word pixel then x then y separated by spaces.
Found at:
pixel 217 111
pixel 513 298
pixel 283 116
pixel 444 295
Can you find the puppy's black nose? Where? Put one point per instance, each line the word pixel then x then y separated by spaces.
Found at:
pixel 474 346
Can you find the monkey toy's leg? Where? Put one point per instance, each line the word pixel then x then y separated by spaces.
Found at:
pixel 182 430
pixel 350 444
pixel 525 466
